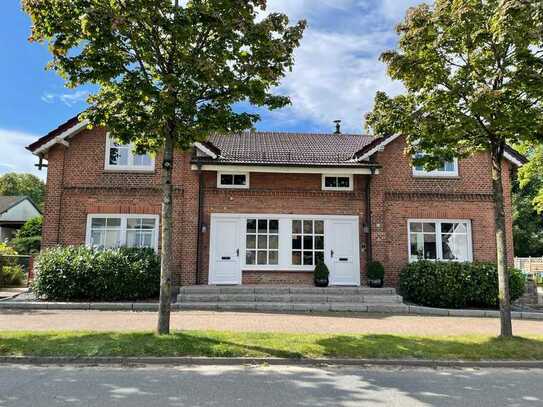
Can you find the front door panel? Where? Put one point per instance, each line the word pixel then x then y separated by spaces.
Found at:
pixel 225 249
pixel 344 253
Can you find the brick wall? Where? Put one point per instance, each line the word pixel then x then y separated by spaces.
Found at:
pixel 78 185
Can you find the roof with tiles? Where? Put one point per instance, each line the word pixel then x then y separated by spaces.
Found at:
pixel 289 148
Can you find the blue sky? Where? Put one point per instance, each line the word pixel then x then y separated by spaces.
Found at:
pixel 336 74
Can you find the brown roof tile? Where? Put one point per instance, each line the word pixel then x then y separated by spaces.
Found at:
pixel 289 148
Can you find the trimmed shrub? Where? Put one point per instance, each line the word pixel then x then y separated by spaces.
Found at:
pixel 456 285
pixel 321 274
pixel 376 271
pixel 81 273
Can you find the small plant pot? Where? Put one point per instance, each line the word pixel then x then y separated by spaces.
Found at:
pixel 378 283
pixel 321 282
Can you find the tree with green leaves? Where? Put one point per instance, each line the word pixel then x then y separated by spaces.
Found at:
pixel 15 184
pixel 473 73
pixel 528 204
pixel 168 73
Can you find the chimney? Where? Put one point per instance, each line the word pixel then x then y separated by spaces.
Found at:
pixel 338 126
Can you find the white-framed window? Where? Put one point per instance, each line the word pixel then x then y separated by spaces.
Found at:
pixel 121 157
pixel 262 242
pixel 112 231
pixel 239 180
pixel 337 182
pixel 445 239
pixel 447 169
pixel 307 242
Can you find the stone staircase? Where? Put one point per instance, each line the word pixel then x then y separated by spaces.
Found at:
pixel 277 298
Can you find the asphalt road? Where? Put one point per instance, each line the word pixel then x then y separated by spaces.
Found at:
pixel 263 386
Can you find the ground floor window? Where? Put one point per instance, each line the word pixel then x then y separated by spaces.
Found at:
pixel 307 242
pixel 112 231
pixel 440 240
pixel 262 242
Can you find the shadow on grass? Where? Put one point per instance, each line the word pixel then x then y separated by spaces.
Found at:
pixel 137 344
pixel 229 344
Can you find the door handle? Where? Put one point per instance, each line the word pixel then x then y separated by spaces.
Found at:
pixel 331 253
pixel 237 252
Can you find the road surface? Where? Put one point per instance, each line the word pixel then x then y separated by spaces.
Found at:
pixel 262 386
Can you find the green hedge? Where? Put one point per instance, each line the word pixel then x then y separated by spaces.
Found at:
pixel 80 273
pixel 456 285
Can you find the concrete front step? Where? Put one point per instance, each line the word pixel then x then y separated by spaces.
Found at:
pixel 289 307
pixel 270 290
pixel 321 298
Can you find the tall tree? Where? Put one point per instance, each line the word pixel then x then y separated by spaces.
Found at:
pixel 14 183
pixel 473 71
pixel 168 73
pixel 528 204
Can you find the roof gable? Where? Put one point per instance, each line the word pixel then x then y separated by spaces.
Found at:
pixel 8 202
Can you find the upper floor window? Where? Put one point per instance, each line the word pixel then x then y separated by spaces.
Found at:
pixel 232 180
pixel 337 182
pixel 447 169
pixel 122 157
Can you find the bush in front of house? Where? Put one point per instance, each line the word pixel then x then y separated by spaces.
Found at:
pixel 77 273
pixel 11 274
pixel 28 238
pixel 456 285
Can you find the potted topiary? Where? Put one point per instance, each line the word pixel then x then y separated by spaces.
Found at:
pixel 376 274
pixel 321 274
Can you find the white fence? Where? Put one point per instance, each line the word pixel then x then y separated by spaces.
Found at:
pixel 530 265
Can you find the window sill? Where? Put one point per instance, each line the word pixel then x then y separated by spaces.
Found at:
pixel 128 171
pixel 279 269
pixel 436 177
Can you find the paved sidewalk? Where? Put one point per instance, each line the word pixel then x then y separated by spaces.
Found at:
pixel 47 320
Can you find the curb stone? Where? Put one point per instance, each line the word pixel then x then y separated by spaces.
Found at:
pixel 388 308
pixel 214 361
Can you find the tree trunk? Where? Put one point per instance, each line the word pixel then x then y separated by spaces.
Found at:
pixel 501 248
pixel 163 327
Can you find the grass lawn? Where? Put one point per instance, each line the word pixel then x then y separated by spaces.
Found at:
pixel 229 344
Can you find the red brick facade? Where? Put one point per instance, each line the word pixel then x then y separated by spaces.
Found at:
pixel 78 185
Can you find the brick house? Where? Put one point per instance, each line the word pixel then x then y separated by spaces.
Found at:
pixel 257 208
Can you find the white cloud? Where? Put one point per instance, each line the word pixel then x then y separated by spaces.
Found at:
pixel 69 99
pixel 13 155
pixel 337 69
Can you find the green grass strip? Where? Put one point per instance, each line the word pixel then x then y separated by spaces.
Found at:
pixel 233 344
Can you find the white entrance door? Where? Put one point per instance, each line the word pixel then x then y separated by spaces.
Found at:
pixel 344 252
pixel 225 250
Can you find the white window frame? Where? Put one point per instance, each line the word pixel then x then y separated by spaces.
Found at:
pixel 256 249
pixel 123 229
pixel 349 188
pixel 437 173
pixel 220 185
pixel 439 242
pixel 125 168
pixel 313 235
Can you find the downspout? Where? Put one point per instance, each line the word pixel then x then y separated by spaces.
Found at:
pixel 201 185
pixel 368 216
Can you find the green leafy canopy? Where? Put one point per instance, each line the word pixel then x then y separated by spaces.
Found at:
pixel 14 184
pixel 164 67
pixel 473 70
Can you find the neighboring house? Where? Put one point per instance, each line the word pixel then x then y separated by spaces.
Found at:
pixel 264 207
pixel 14 212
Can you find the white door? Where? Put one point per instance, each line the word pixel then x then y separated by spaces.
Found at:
pixel 225 250
pixel 344 252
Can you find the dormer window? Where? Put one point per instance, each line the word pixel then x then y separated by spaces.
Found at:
pixel 447 169
pixel 121 157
